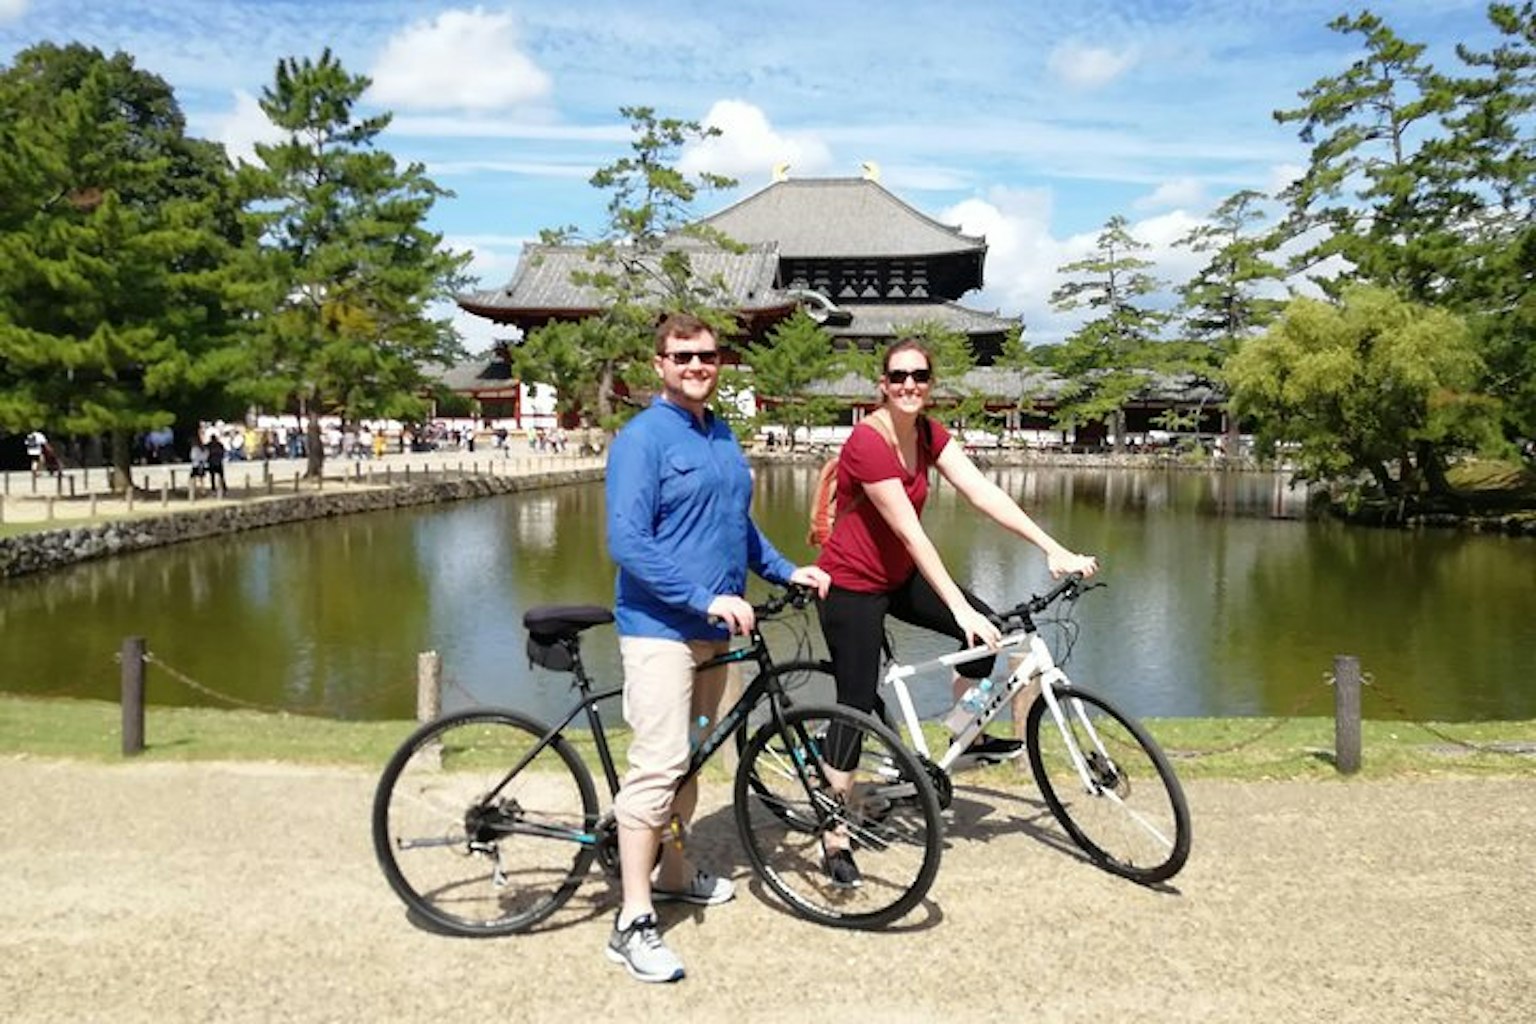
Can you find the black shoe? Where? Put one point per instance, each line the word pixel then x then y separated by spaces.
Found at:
pixel 985 749
pixel 843 872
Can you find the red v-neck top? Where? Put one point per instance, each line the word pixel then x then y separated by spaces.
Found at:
pixel 863 553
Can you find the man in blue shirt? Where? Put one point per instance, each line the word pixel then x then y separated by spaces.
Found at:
pixel 679 497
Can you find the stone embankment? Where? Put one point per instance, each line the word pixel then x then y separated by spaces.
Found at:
pixel 44 550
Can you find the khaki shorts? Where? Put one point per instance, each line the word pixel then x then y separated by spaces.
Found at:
pixel 663 700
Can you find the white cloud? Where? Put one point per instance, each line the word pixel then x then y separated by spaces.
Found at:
pixel 464 60
pixel 11 10
pixel 1089 67
pixel 1180 193
pixel 1023 256
pixel 1282 176
pixel 748 146
pixel 242 128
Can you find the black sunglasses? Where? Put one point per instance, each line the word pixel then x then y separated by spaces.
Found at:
pixel 709 357
pixel 922 376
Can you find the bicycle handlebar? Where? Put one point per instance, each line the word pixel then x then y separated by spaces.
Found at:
pixel 1021 615
pixel 794 596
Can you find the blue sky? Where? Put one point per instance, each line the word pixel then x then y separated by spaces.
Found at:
pixel 1031 123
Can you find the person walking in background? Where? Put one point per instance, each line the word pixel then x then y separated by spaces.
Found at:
pixel 216 465
pixel 679 497
pixel 37 445
pixel 883 563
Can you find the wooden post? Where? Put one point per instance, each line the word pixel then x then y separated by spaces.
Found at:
pixel 429 686
pixel 165 495
pixel 133 695
pixel 1346 713
pixel 49 503
pixel 129 492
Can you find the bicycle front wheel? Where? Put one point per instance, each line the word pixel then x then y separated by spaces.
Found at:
pixel 1129 814
pixel 471 847
pixel 884 809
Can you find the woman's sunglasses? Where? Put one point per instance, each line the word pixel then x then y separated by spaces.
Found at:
pixel 900 377
pixel 708 357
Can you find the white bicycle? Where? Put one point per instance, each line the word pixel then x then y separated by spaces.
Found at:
pixel 1103 776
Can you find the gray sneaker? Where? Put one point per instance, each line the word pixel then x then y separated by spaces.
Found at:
pixel 705 889
pixel 640 949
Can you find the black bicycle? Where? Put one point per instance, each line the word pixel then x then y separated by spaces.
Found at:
pixel 486 821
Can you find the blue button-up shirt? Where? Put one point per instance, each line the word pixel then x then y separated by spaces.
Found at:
pixel 679 498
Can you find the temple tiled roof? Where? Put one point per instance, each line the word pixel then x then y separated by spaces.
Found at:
pixel 542 281
pixel 1008 384
pixel 893 319
pixel 839 217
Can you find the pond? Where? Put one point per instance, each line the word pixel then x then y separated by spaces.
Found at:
pixel 1218 601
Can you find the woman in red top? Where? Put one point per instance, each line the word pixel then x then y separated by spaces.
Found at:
pixel 881 562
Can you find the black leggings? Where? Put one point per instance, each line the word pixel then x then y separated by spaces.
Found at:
pixel 853 624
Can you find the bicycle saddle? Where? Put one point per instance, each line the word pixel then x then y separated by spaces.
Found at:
pixel 564 620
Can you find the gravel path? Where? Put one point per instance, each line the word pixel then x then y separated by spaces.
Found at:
pixel 248 892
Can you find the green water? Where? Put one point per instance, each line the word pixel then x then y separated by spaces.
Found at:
pixel 1213 605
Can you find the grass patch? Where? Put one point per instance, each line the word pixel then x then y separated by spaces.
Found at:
pixel 1248 749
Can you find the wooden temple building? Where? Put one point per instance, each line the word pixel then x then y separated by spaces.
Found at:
pixel 865 264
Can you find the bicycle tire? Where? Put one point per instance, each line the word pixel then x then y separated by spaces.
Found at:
pixel 471 850
pixel 783 809
pixel 1135 821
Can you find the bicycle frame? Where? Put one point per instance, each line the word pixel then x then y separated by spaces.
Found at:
pixel 1037 664
pixel 756 651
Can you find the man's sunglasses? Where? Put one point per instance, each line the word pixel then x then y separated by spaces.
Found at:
pixel 709 357
pixel 899 377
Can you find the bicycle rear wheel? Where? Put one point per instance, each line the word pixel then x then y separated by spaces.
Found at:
pixel 1131 818
pixel 891 816
pixel 468 847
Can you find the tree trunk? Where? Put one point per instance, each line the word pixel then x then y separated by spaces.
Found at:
pixel 1430 464
pixel 605 394
pixel 122 461
pixel 315 448
pixel 1389 487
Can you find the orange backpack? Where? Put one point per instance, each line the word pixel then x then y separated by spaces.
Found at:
pixel 824 497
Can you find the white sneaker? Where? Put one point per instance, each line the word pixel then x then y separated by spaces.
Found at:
pixel 640 949
pixel 705 889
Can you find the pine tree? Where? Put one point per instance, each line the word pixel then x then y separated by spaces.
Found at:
pixel 1107 360
pixel 354 269
pixel 796 355
pixel 640 263
pixel 119 243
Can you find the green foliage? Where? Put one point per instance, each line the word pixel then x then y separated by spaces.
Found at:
pixel 119 248
pixel 352 267
pixel 1106 361
pixel 1357 386
pixel 797 354
pixel 1373 185
pixel 641 264
pixel 1221 304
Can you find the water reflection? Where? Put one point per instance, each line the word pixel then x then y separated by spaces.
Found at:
pixel 1219 601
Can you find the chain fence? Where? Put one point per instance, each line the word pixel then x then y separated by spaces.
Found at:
pixel 1315 702
pixel 1370 689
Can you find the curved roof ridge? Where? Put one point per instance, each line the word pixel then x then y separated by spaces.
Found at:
pixel 840 217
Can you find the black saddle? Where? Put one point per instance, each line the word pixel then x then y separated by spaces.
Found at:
pixel 552 630
pixel 564 621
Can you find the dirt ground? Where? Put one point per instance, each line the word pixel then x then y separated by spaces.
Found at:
pixel 248 892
